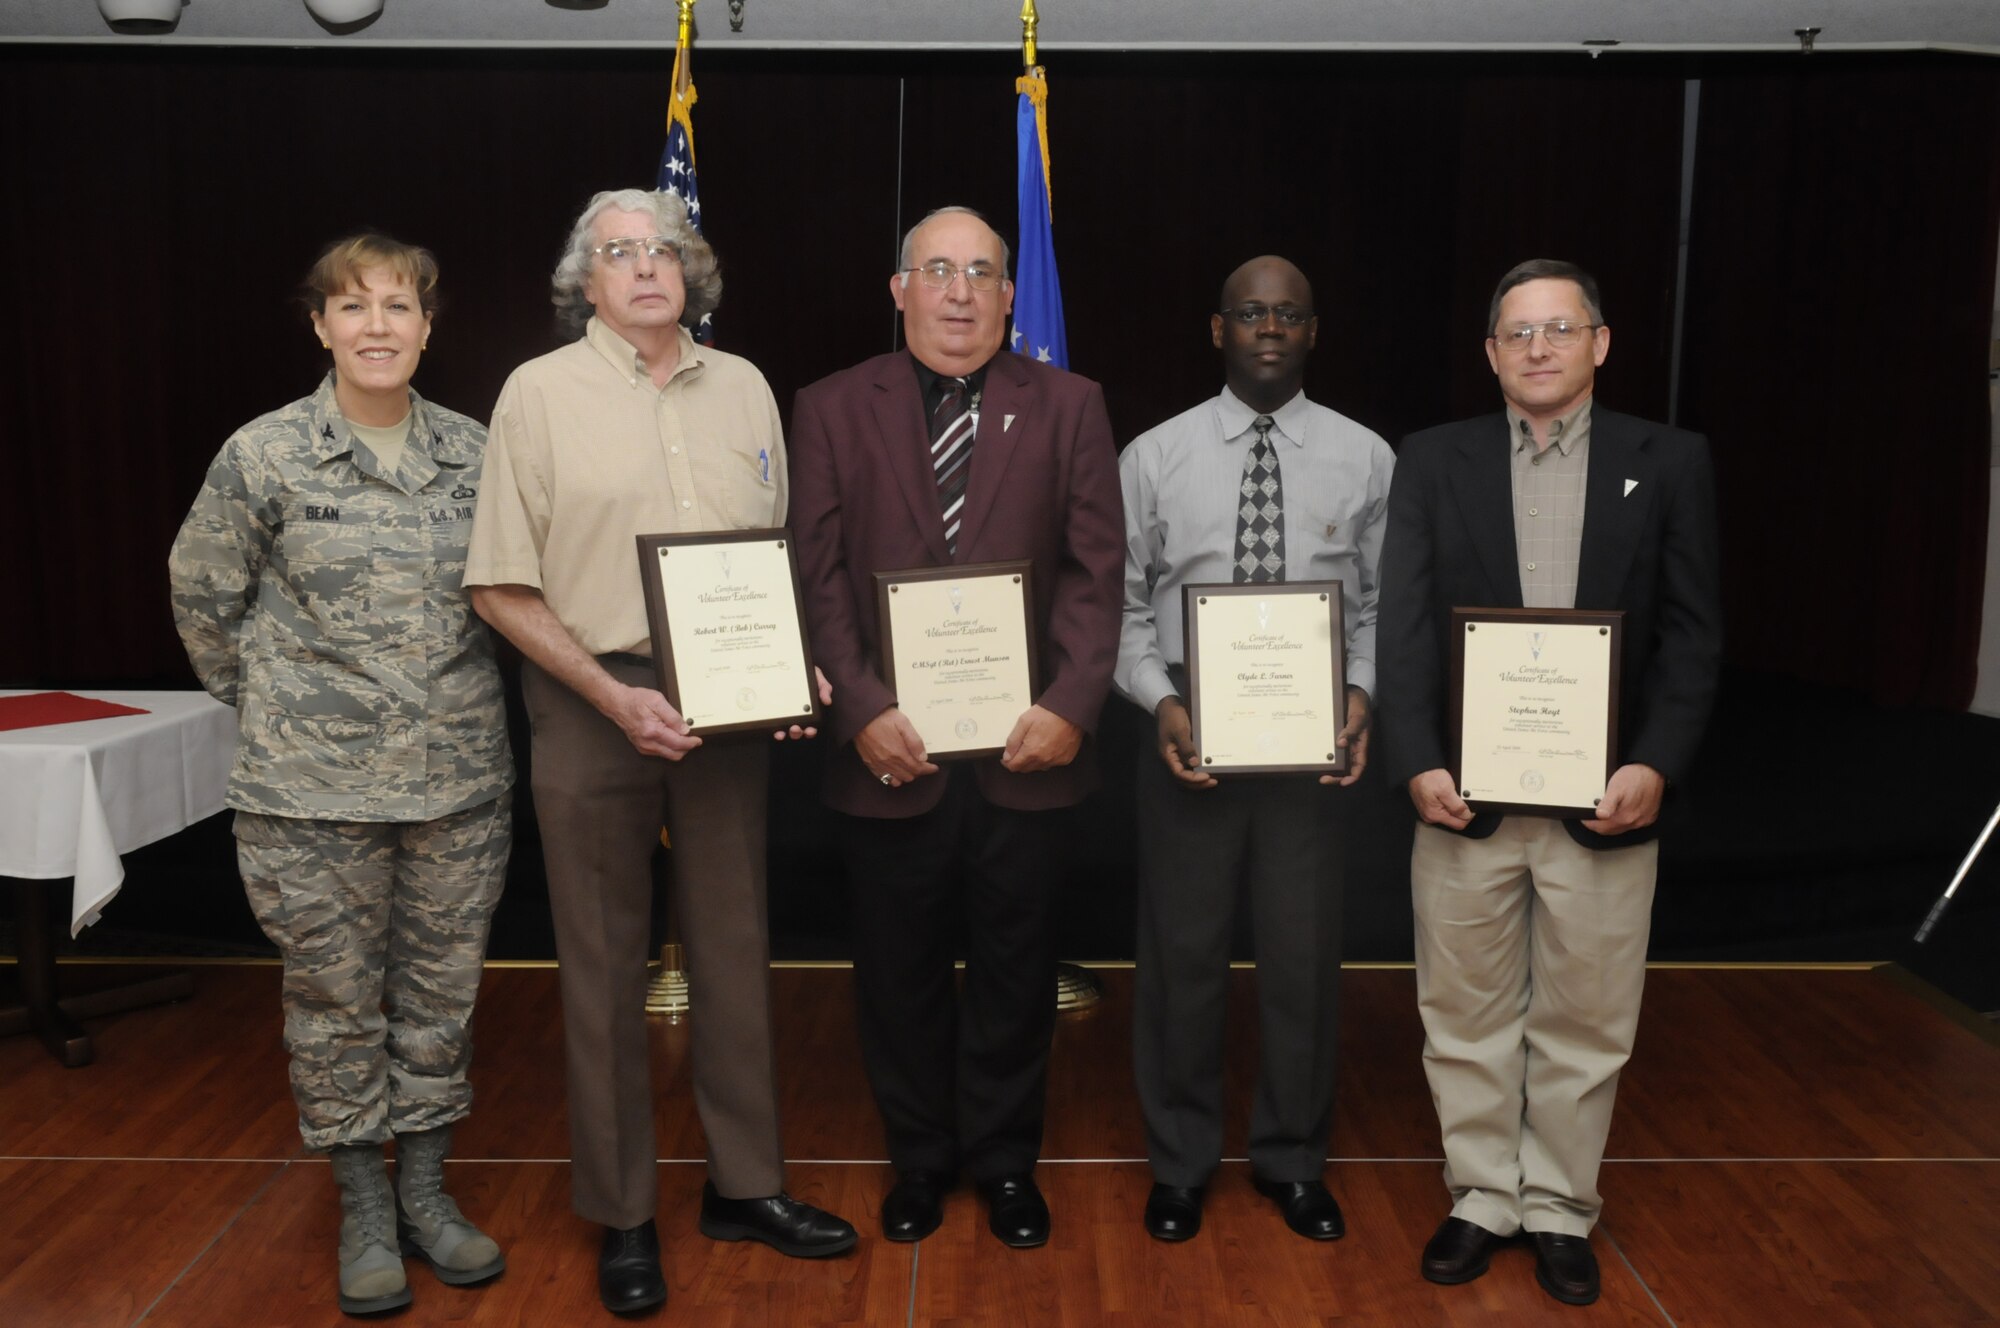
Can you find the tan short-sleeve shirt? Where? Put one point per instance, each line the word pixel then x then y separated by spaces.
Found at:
pixel 584 454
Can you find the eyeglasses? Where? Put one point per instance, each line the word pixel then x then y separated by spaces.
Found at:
pixel 1252 315
pixel 940 274
pixel 658 248
pixel 1561 334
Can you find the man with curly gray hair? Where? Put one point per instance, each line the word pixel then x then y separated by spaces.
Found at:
pixel 635 429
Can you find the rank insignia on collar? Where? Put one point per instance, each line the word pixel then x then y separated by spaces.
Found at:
pixel 326 432
pixel 463 491
pixel 437 439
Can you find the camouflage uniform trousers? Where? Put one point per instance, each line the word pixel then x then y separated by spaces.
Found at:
pixel 382 926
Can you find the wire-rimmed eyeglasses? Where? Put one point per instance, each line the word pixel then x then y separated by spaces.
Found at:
pixel 1560 333
pixel 939 274
pixel 622 251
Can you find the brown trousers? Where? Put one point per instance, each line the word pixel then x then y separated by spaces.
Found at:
pixel 600 805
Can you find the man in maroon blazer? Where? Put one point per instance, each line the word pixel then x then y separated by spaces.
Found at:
pixel 957 452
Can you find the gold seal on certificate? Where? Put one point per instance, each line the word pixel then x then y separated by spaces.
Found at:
pixel 1267 676
pixel 958 650
pixel 728 639
pixel 1535 708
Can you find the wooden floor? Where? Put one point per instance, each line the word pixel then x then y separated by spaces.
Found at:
pixel 1792 1147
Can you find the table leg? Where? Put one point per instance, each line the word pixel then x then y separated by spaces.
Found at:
pixel 52 1018
pixel 36 969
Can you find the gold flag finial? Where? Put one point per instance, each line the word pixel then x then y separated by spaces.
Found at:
pixel 687 19
pixel 1028 21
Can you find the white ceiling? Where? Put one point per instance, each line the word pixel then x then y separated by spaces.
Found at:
pixel 1969 25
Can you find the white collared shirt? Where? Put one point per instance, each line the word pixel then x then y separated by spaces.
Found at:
pixel 1180 483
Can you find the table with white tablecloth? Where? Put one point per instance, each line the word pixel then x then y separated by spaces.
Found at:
pixel 74 796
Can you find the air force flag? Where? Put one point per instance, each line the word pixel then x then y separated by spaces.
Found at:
pixel 1038 312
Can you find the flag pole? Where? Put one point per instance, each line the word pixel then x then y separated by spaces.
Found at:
pixel 667 992
pixel 1077 988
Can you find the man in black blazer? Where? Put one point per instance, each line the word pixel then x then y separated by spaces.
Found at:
pixel 1531 932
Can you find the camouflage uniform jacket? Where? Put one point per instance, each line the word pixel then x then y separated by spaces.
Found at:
pixel 323 597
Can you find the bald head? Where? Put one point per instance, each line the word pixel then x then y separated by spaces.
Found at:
pixel 1265 329
pixel 1268 266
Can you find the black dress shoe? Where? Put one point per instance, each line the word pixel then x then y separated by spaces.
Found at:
pixel 915 1205
pixel 628 1269
pixel 1016 1211
pixel 1308 1208
pixel 1459 1251
pixel 1565 1267
pixel 782 1222
pixel 1173 1212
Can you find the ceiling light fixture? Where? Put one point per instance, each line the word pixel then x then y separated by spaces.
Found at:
pixel 137 17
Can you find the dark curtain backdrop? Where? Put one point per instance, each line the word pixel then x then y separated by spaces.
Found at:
pixel 1838 317
pixel 165 203
pixel 161 204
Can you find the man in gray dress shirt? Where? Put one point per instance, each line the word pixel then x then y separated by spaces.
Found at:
pixel 1320 483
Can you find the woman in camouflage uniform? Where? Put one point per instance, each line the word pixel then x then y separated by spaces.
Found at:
pixel 317 588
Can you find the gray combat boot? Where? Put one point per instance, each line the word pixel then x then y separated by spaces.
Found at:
pixel 429 1222
pixel 371 1272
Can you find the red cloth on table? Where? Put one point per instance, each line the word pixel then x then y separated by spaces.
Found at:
pixel 41 708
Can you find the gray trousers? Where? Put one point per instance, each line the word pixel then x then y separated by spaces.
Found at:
pixel 1531 959
pixel 382 926
pixel 601 805
pixel 1269 843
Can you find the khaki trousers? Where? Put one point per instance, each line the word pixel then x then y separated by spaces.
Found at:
pixel 1531 959
pixel 600 805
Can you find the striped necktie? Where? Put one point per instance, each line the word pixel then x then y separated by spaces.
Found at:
pixel 1260 513
pixel 953 420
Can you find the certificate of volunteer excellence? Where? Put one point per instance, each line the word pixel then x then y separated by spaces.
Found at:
pixel 1535 708
pixel 728 639
pixel 958 649
pixel 1266 676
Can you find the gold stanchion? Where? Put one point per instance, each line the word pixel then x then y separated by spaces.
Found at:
pixel 1077 988
pixel 667 993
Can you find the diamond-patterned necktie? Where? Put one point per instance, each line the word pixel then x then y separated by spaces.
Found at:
pixel 1260 524
pixel 952 427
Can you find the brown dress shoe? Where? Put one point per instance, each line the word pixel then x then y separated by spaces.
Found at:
pixel 1565 1267
pixel 1459 1251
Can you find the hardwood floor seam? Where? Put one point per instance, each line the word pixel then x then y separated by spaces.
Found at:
pixel 1801 1161
pixel 213 1241
pixel 204 1161
pixel 1644 1285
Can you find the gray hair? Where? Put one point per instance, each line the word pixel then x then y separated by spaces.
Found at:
pixel 700 273
pixel 1546 269
pixel 906 257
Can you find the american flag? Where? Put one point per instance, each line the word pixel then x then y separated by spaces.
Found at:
pixel 677 158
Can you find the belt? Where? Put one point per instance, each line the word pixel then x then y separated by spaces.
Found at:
pixel 625 657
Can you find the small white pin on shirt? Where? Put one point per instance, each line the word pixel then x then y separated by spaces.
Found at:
pixel 1006 423
pixel 1629 486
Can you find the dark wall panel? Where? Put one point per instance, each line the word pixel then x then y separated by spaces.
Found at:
pixel 162 202
pixel 1839 284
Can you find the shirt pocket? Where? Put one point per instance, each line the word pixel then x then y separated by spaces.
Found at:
pixel 749 498
pixel 1330 525
pixel 324 760
pixel 328 569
